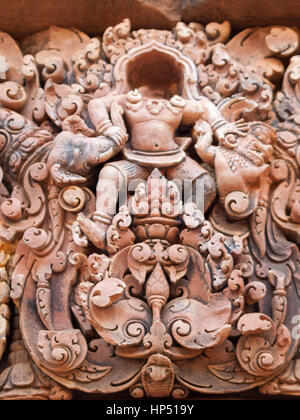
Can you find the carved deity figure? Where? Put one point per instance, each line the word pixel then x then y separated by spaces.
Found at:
pixel 121 280
pixel 152 118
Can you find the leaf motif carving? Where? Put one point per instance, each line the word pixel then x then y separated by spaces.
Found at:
pixel 232 372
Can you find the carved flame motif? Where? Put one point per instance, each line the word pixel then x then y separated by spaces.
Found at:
pixel 143 290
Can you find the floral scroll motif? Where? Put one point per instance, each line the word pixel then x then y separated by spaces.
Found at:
pixel 164 294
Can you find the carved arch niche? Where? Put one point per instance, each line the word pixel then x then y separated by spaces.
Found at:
pixel 156 64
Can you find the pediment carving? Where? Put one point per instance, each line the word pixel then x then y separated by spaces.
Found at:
pixel 150 211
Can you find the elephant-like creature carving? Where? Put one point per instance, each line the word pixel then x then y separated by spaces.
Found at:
pixel 73 156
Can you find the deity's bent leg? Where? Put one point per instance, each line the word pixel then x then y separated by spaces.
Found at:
pixel 112 188
pixel 197 184
pixel 106 201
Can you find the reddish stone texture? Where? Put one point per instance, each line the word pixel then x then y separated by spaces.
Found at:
pixel 156 294
pixel 93 16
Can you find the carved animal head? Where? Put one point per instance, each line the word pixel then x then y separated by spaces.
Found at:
pixel 256 146
pixel 73 156
pixel 158 376
pixel 242 169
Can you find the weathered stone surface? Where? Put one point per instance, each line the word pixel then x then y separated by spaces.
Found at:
pixel 21 18
pixel 151 181
pixel 243 13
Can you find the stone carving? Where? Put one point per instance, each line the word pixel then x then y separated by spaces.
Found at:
pixel 5 312
pixel 151 186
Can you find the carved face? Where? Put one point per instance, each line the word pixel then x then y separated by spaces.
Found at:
pixel 257 145
pixel 247 159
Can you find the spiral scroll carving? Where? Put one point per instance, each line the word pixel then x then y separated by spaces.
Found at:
pixel 63 351
pixel 150 181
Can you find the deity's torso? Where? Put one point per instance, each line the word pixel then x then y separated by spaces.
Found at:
pixel 153 122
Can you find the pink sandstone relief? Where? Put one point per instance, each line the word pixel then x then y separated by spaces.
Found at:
pixel 150 212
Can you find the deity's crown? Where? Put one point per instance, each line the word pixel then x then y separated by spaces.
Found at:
pixel 156 207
